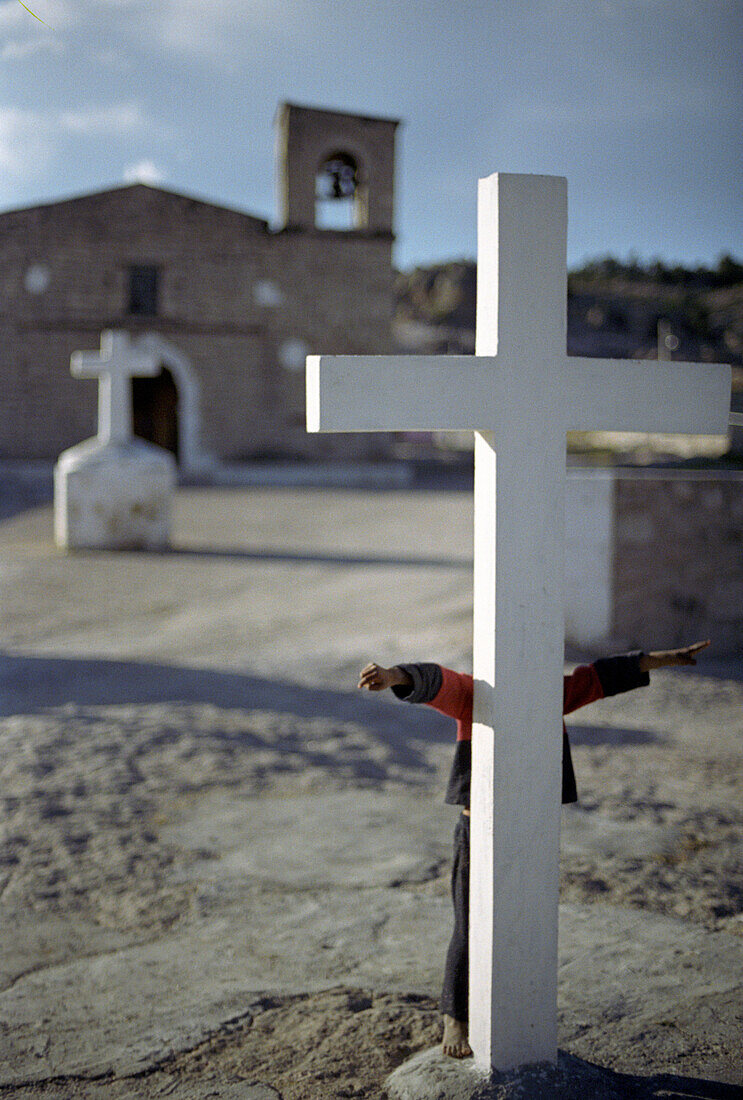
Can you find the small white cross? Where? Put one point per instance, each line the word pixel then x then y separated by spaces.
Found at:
pixel 114 366
pixel 521 393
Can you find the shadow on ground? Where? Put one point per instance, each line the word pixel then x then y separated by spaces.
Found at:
pixel 29 685
pixel 669 1086
pixel 430 1074
pixel 577 1079
pixel 593 736
pixel 317 558
pixel 19 495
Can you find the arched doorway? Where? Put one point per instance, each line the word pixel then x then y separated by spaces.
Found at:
pixel 166 408
pixel 155 410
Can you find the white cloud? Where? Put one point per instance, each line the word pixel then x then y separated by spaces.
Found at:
pixel 119 118
pixel 24 36
pixel 18 49
pixel 26 141
pixel 29 139
pixel 13 17
pixel 93 30
pixel 204 29
pixel 114 59
pixel 144 171
pixel 39 16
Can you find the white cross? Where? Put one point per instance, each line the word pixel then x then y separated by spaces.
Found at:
pixel 521 393
pixel 114 366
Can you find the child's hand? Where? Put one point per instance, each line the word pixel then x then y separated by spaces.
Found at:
pixel 666 657
pixel 376 678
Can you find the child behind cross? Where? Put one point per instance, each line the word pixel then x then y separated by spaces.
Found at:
pixel 451 694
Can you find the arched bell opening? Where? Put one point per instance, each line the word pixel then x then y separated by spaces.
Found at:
pixel 340 194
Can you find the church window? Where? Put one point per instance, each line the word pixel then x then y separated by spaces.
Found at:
pixel 143 287
pixel 267 293
pixel 293 355
pixel 37 278
pixel 340 198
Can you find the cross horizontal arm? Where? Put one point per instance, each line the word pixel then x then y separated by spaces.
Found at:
pixel 374 393
pixel 87 364
pixel 644 395
pixel 119 355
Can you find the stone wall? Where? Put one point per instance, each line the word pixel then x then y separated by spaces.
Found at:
pixel 654 558
pixel 678 559
pixel 589 555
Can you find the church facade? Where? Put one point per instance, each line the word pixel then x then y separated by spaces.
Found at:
pixel 231 304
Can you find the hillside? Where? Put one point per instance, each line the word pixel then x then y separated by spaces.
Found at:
pixel 614 309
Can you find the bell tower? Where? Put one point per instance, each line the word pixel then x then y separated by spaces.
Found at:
pixel 335 171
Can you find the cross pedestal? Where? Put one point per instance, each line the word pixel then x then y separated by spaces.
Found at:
pixel 113 492
pixel 521 393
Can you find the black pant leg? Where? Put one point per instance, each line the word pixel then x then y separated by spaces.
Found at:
pixel 454 996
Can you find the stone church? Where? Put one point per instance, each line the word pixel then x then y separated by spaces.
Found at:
pixel 232 304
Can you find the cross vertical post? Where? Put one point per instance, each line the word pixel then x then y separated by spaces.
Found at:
pixel 520 394
pixel 518 628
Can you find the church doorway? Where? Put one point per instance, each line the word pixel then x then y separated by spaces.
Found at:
pixel 155 410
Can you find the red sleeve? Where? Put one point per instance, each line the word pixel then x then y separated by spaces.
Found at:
pixel 454 699
pixel 581 687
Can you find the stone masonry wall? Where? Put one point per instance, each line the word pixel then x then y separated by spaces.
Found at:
pixel 678 559
pixel 333 291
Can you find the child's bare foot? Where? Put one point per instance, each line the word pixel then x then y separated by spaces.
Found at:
pixel 455 1042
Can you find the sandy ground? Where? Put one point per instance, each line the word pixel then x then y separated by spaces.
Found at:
pixel 223 872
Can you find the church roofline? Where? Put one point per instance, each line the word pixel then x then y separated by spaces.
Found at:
pixel 99 192
pixel 310 108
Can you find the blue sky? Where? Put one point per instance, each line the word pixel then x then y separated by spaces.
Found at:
pixel 638 102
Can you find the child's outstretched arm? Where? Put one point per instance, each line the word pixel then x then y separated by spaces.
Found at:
pixel 448 692
pixel 664 658
pixel 375 677
pixel 623 672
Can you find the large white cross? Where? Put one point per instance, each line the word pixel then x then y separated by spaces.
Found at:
pixel 521 393
pixel 114 366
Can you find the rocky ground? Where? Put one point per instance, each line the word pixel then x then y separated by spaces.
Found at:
pixel 225 873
